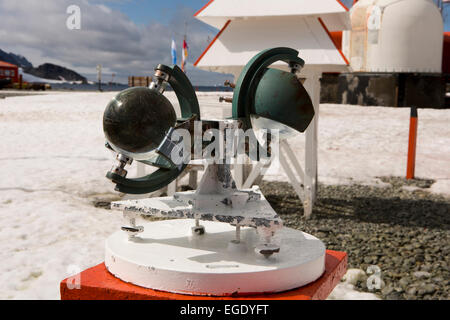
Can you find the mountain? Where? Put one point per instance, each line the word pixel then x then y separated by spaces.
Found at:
pixel 18 60
pixel 47 70
pixel 55 72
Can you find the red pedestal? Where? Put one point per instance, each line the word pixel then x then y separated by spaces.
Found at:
pixel 98 284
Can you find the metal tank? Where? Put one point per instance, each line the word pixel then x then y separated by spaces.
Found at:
pixel 395 36
pixel 395 53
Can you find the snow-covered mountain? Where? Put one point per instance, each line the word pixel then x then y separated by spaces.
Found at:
pixel 46 72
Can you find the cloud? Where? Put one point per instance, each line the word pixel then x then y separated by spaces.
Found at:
pixel 37 30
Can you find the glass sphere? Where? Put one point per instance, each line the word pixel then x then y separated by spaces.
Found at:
pixel 136 121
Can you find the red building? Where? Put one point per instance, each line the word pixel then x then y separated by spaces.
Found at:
pixel 446 55
pixel 9 71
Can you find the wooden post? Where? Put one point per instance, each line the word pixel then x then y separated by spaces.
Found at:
pixel 411 162
pixel 20 82
pixel 312 86
pixel 193 178
pixel 99 77
pixel 172 188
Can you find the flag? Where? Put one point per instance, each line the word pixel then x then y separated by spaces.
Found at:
pixel 174 52
pixel 184 55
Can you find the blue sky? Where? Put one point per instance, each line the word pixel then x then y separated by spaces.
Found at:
pixel 144 11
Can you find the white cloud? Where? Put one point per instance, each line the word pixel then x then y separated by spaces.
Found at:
pixel 37 30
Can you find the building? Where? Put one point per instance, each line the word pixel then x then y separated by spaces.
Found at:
pixel 395 53
pixel 398 55
pixel 247 27
pixel 9 71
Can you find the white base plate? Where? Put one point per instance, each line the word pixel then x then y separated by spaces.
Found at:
pixel 167 257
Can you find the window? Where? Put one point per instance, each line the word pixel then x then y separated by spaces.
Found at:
pixel 1 72
pixel 6 72
pixel 13 73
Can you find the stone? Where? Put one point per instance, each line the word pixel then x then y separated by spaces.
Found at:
pixel 394 296
pixel 399 289
pixel 426 267
pixel 353 276
pixel 404 282
pixel 430 288
pixel 421 274
pixel 408 262
pixel 387 290
pixel 368 259
pixel 412 291
pixel 426 289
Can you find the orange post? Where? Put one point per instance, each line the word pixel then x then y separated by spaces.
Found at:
pixel 411 165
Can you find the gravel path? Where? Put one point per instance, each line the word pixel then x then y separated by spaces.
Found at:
pixel 401 228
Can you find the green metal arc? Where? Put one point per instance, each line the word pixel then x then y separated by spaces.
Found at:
pixel 253 71
pixel 244 94
pixel 185 93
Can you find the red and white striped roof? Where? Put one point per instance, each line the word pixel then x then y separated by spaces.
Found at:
pixel 249 26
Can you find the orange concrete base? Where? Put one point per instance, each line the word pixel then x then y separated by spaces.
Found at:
pixel 98 284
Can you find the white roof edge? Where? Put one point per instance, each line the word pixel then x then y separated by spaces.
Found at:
pixel 334 22
pixel 265 8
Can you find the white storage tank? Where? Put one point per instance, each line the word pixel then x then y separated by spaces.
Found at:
pixel 395 36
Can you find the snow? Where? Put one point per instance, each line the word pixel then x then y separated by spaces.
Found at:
pixel 31 78
pixel 359 144
pixel 345 290
pixel 54 165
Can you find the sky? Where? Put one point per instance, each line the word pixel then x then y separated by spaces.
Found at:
pixel 128 37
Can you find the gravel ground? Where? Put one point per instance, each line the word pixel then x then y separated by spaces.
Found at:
pixel 401 228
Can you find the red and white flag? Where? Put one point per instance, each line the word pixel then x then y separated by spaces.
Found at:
pixel 184 55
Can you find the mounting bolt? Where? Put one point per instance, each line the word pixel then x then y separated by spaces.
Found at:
pixel 222 99
pixel 162 79
pixel 295 67
pixel 132 231
pixel 119 167
pixel 228 83
pixel 198 230
pixel 267 249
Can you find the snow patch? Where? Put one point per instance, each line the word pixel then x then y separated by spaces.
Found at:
pixel 441 186
pixel 345 290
